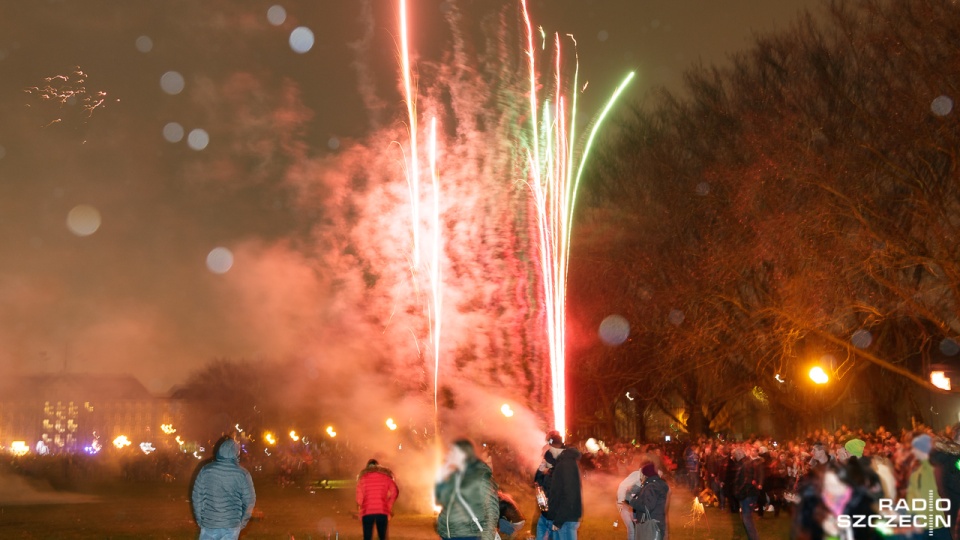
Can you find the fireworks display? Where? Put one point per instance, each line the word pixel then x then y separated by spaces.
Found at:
pixel 554 167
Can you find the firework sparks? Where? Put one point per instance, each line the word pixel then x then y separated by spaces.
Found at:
pixel 555 170
pixel 67 90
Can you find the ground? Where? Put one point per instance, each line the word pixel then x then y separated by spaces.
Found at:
pixel 147 511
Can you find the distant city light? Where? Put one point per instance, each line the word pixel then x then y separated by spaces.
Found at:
pixel 147 447
pixel 331 432
pixel 506 410
pixel 121 441
pixel 293 436
pixel 269 438
pixel 391 424
pixel 168 429
pixel 19 448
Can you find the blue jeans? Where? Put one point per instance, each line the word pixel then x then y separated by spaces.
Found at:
pixel 568 531
pixel 544 526
pixel 220 534
pixel 748 506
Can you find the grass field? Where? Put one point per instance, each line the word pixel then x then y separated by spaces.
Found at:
pixel 162 511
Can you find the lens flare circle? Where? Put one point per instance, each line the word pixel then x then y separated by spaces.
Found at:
pixel 614 330
pixel 83 220
pixel 301 40
pixel 220 260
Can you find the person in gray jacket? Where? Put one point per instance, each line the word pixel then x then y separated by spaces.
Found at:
pixel 223 494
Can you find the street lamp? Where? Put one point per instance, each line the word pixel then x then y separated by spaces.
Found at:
pixel 818 375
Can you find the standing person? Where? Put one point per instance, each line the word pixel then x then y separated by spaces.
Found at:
pixel 543 481
pixel 651 496
pixel 923 485
pixel 623 502
pixel 223 496
pixel 747 492
pixel 691 460
pixel 566 495
pixel 467 494
pixel 376 492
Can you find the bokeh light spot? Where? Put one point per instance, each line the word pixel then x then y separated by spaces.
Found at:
pixel 603 35
pixel 220 260
pixel 276 15
pixel 676 317
pixel 861 339
pixel 172 82
pixel 83 220
pixel 144 44
pixel 949 347
pixel 333 143
pixel 198 139
pixel 301 39
pixel 614 330
pixel 941 106
pixel 173 132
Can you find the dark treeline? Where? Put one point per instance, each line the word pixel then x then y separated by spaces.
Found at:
pixel 803 201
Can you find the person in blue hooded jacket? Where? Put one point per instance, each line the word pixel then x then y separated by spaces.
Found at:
pixel 223 494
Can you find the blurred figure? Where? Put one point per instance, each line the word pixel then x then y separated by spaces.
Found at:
pixel 376 492
pixel 623 502
pixel 651 496
pixel 543 480
pixel 747 491
pixel 223 496
pixel 467 494
pixel 566 495
pixel 923 485
pixel 511 519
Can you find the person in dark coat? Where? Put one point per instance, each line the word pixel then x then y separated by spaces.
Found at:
pixel 651 496
pixel 223 496
pixel 566 495
pixel 543 480
pixel 747 492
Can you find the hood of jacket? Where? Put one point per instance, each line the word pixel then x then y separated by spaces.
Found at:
pixel 569 453
pixel 228 451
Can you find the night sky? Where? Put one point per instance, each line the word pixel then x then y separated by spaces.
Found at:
pixel 143 288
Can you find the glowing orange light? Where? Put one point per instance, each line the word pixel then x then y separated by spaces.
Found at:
pixel 121 441
pixel 506 410
pixel 168 429
pixel 818 375
pixel 269 438
pixel 294 436
pixel 940 380
pixel 331 432
pixel 391 424
pixel 19 448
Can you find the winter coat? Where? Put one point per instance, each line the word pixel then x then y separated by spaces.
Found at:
pixel 566 496
pixel 651 495
pixel 223 494
pixel 748 477
pixel 467 495
pixel 376 491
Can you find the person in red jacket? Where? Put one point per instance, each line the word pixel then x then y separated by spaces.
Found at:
pixel 376 492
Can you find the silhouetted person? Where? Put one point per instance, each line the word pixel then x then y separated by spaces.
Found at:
pixel 223 494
